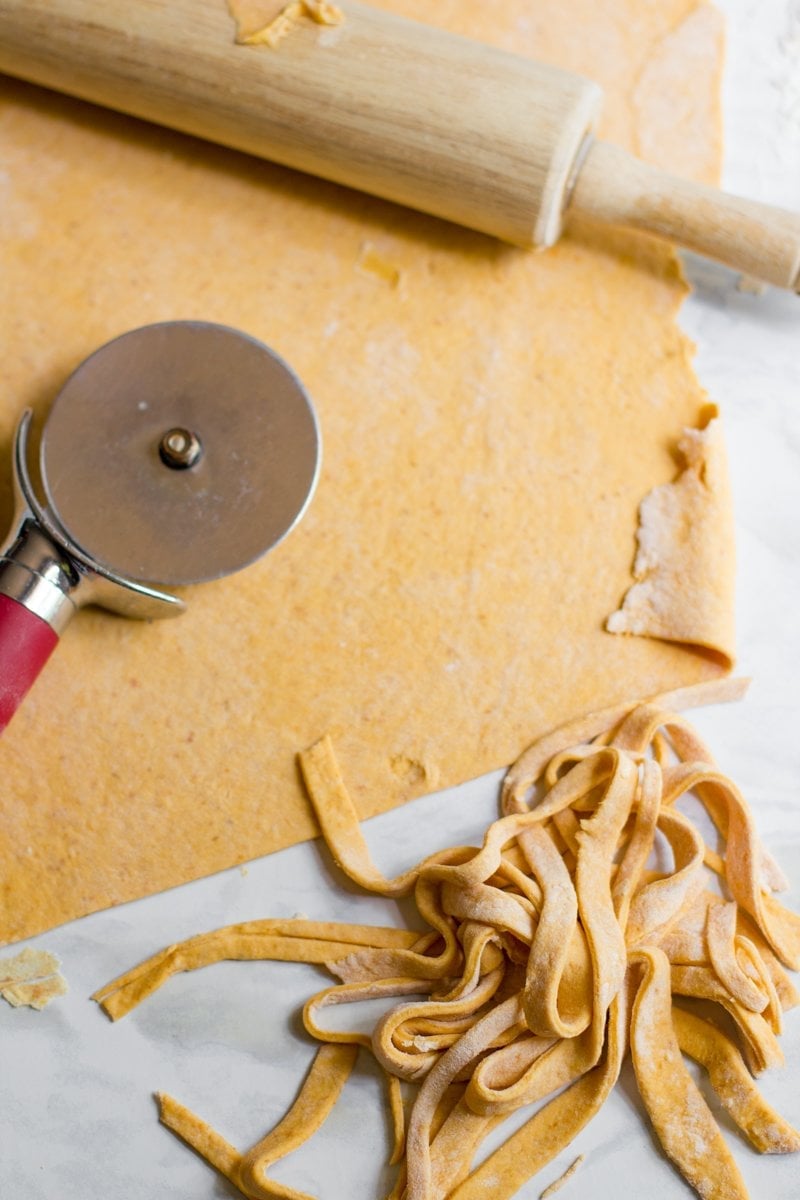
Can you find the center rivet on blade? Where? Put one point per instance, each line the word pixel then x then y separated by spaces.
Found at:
pixel 180 449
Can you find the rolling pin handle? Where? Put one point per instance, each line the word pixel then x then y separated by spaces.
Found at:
pixel 758 240
pixel 470 133
pixel 26 643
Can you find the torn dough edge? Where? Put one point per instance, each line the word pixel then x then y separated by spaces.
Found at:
pixel 683 588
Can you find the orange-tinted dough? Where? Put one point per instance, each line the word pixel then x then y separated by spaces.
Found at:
pixel 465 1035
pixel 490 426
pixel 267 22
pixel 684 567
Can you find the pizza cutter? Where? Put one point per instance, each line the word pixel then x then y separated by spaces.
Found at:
pixel 177 453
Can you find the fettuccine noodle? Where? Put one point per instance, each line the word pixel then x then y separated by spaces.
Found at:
pixel 553 950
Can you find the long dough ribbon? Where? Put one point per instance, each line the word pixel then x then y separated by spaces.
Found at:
pixel 550 947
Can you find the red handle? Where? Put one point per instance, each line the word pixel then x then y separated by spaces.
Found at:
pixel 26 643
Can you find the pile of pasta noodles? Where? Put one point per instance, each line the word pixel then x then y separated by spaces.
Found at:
pixel 552 950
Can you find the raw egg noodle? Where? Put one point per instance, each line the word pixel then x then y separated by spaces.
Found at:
pixel 553 950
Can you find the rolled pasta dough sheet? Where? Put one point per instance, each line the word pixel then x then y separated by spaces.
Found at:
pixel 491 420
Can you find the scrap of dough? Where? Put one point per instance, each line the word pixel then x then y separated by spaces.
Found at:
pixel 490 427
pixel 266 23
pixel 372 262
pixel 684 567
pixel 557 1184
pixel 31 978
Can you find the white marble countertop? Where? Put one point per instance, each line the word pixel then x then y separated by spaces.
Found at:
pixel 77 1118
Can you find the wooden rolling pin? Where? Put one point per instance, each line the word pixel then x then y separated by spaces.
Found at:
pixel 422 117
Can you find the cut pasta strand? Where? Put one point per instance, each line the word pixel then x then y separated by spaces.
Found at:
pixel 551 950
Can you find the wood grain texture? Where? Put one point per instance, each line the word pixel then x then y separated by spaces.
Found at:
pixel 414 114
pixel 396 108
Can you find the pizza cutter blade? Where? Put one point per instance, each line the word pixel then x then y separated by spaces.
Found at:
pixel 177 453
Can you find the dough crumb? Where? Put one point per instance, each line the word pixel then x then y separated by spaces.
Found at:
pixel 684 567
pixel 557 1184
pixel 266 23
pixel 31 979
pixel 750 286
pixel 372 262
pixel 413 770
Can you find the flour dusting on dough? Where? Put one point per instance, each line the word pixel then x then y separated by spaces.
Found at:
pixel 31 978
pixel 684 568
pixel 266 23
pixel 662 106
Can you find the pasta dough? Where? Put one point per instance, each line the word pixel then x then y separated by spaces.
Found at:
pixel 266 24
pixel 490 425
pixel 680 550
pixel 476 1042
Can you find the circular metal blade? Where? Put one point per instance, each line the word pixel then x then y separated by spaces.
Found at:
pixel 141 499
